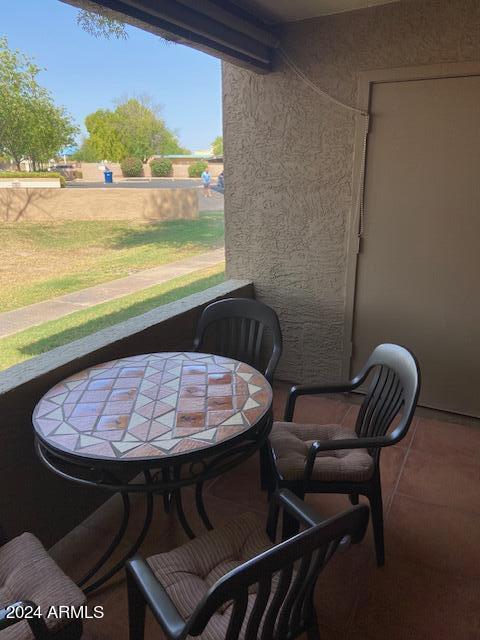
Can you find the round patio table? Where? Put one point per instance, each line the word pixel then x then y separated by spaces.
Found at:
pixel 152 423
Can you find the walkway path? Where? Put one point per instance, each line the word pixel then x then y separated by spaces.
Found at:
pixel 34 314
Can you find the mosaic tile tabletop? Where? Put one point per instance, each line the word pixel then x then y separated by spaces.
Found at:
pixel 151 406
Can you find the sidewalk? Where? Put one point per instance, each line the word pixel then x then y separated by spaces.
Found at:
pixel 34 314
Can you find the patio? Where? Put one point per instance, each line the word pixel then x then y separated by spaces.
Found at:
pixel 428 588
pixel 296 239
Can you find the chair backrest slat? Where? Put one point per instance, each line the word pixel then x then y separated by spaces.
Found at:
pixel 237 618
pixel 390 407
pixel 284 579
pixel 381 400
pixel 242 332
pixel 244 329
pixel 277 601
pixel 394 388
pixel 261 600
pixel 259 342
pixel 294 595
pixel 302 608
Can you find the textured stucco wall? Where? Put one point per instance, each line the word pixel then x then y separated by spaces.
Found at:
pixel 289 160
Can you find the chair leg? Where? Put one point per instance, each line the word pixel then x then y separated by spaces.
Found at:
pixel 376 507
pixel 290 525
pixel 353 498
pixel 136 610
pixel 267 481
pixel 313 632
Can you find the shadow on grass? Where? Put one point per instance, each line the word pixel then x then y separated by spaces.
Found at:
pixel 207 231
pixel 135 309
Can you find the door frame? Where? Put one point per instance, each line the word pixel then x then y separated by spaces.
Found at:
pixel 366 80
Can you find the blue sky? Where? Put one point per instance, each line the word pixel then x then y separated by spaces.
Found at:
pixel 85 74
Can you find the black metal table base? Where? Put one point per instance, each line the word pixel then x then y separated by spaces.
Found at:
pixel 114 545
pixel 166 482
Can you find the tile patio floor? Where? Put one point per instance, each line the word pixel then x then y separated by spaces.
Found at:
pixel 430 586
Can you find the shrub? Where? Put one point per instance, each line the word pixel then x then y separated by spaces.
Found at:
pixel 161 167
pixel 78 174
pixel 131 167
pixel 196 169
pixel 33 174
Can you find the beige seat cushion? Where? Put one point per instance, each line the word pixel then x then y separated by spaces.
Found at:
pixel 292 441
pixel 188 572
pixel 27 572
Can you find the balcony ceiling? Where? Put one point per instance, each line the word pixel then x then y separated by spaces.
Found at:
pixel 278 11
pixel 239 31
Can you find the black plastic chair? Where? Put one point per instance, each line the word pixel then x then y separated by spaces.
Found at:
pixel 268 596
pixel 243 329
pixel 332 459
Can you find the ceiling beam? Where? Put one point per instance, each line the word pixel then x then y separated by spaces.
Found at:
pixel 217 28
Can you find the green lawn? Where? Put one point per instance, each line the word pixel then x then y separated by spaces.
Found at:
pixel 36 340
pixel 39 261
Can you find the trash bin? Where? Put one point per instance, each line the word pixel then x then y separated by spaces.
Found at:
pixel 108 177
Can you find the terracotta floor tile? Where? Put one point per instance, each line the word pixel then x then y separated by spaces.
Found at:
pixel 443 539
pixel 430 478
pixel 409 601
pixel 453 442
pixel 328 504
pixel 78 552
pixel 241 486
pixel 391 463
pixel 338 587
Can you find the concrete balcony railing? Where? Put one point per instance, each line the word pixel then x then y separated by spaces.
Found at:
pixel 30 493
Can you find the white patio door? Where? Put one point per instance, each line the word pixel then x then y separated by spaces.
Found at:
pixel 418 273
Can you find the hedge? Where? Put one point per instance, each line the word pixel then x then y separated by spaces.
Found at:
pixel 196 169
pixel 132 167
pixel 32 174
pixel 161 167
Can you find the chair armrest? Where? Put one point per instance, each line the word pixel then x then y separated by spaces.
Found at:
pixel 310 390
pixel 294 507
pixel 302 512
pixel 37 624
pixel 157 599
pixel 8 622
pixel 335 445
pixel 297 508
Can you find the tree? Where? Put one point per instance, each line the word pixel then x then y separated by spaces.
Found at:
pixel 101 24
pixel 51 131
pixel 217 146
pixel 86 153
pixel 31 126
pixel 133 129
pixel 104 137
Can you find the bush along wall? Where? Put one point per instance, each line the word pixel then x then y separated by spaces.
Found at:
pixel 161 168
pixel 196 169
pixel 132 167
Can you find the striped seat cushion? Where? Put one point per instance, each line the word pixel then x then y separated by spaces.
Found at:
pixel 291 442
pixel 187 573
pixel 27 572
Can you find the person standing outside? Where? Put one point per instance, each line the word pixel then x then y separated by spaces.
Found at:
pixel 206 179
